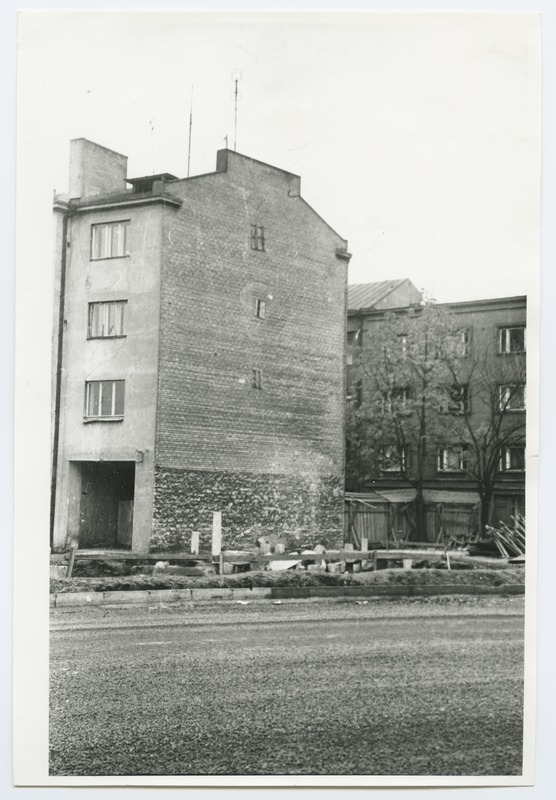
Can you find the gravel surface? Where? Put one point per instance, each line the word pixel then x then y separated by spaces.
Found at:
pixel 375 688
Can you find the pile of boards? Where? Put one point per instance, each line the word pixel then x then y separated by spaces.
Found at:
pixel 510 541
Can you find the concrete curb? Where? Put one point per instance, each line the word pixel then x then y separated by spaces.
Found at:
pixel 145 597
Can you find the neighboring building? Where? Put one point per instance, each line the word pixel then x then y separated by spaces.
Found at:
pixel 380 296
pixel 199 359
pixel 491 329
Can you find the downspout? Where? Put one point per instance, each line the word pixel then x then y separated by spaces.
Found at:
pixel 58 386
pixel 342 254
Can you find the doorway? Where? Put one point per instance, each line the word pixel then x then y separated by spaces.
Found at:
pixel 106 508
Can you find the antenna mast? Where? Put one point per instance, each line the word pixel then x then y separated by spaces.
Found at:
pixel 235 116
pixel 190 126
pixel 236 77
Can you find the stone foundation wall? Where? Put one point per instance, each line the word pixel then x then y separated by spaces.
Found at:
pixel 303 510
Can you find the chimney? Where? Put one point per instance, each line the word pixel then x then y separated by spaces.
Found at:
pixel 95 170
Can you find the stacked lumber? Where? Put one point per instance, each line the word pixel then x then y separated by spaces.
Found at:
pixel 510 541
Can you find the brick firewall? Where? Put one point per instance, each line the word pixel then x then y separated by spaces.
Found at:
pixel 209 415
pixel 210 419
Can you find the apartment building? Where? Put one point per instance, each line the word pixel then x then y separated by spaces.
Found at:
pixel 198 357
pixel 475 434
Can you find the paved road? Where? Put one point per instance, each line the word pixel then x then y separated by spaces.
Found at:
pixel 378 688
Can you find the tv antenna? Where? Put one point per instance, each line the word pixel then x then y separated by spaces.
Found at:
pixel 190 126
pixel 236 77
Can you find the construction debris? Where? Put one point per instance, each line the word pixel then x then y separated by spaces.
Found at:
pixel 281 566
pixel 510 541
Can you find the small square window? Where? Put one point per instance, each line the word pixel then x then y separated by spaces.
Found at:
pixel 109 240
pixel 257 237
pixel 257 379
pixel 104 399
pixel 260 309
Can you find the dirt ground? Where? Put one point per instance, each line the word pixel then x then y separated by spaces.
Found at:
pixel 377 688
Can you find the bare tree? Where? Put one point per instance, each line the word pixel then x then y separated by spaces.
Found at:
pixel 491 423
pixel 396 427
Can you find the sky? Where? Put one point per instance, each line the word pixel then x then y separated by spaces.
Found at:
pixel 416 135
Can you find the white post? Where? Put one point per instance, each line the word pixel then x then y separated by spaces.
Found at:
pixel 195 543
pixel 217 537
pixel 364 545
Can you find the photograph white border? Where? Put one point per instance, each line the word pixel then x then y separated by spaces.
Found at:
pixel 30 558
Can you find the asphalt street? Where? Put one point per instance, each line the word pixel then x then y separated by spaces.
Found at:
pixel 365 688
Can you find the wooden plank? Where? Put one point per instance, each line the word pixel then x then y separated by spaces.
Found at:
pixel 422 545
pixel 334 555
pixel 410 550
pixel 71 561
pixel 394 555
pixel 492 563
pixel 110 555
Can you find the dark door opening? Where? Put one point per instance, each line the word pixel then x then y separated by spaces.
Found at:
pixel 106 512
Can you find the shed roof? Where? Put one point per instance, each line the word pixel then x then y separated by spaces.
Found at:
pixel 407 495
pixel 451 496
pixel 369 295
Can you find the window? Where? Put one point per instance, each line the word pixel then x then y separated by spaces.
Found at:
pixel 257 237
pixel 457 343
pixel 396 401
pixel 393 458
pixel 355 393
pixel 512 397
pixel 456 400
pixel 512 340
pixel 109 240
pixel 512 458
pixel 257 379
pixel 354 339
pixel 403 343
pixel 260 309
pixel 104 399
pixel 452 459
pixel 106 319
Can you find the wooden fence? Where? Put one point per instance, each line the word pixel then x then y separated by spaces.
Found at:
pixel 389 524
